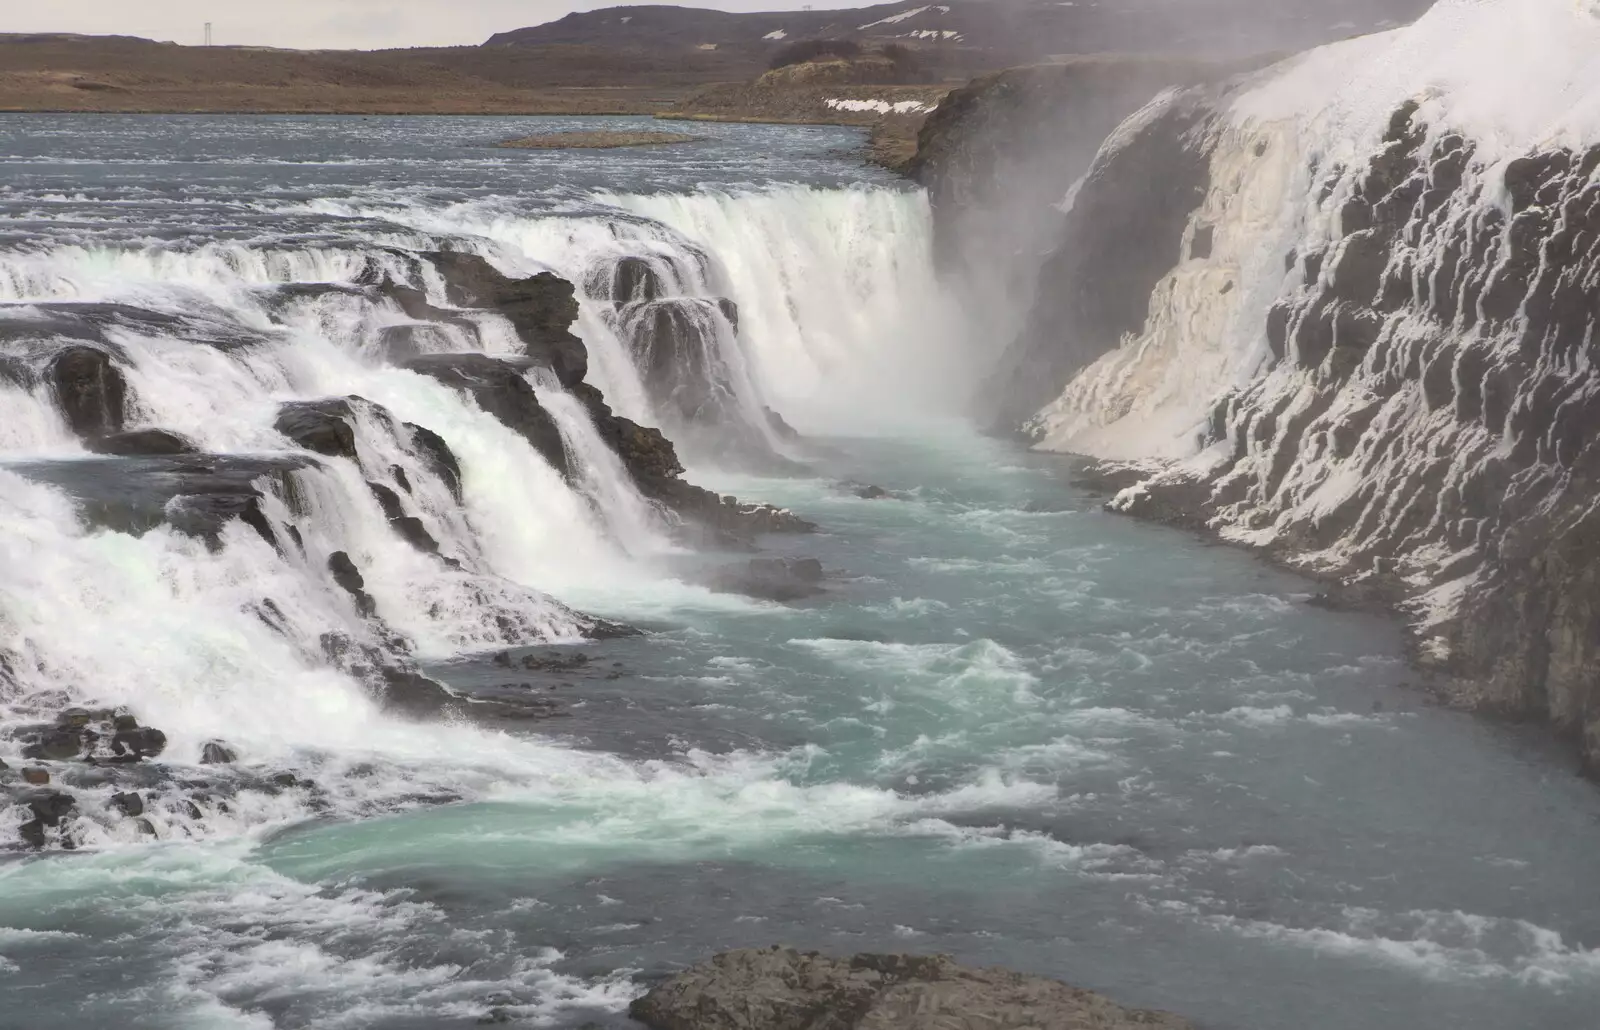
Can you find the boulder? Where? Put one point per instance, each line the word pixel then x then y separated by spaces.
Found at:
pixel 144 742
pixel 325 426
pixel 55 745
pixel 142 442
pixel 90 390
pixel 784 989
pixel 217 753
pixel 35 776
pixel 129 803
pixel 48 806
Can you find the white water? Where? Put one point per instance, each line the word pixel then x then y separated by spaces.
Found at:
pixel 176 633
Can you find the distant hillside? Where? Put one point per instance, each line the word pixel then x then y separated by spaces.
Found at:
pixel 971 34
pixel 629 60
pixel 107 73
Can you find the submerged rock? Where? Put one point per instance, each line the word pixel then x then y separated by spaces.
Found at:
pixel 772 579
pixel 784 989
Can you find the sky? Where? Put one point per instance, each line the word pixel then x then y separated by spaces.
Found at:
pixel 343 24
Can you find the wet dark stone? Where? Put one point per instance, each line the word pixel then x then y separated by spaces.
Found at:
pixel 635 279
pixel 348 576
pixel 136 442
pixel 48 806
pixel 730 311
pixel 542 309
pixel 56 745
pixel 145 742
pixel 90 390
pixel 501 388
pixel 431 447
pixel 35 776
pixel 32 834
pixel 325 426
pixel 217 753
pixel 128 803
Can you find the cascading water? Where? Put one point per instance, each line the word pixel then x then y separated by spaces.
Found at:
pixel 1008 727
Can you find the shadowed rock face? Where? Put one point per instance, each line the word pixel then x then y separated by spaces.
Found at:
pixel 784 989
pixel 541 308
pixel 90 390
pixel 501 388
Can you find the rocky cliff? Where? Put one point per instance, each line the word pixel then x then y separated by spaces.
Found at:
pixel 1353 325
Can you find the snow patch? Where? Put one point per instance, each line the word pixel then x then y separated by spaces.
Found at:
pixel 879 106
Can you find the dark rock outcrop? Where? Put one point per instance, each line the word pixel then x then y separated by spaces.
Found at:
pixel 90 390
pixel 784 989
pixel 195 494
pixel 324 426
pixel 437 455
pixel 142 443
pixel 542 309
pixel 348 576
pixel 652 461
pixel 500 387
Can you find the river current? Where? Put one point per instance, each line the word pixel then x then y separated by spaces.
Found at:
pixel 1014 728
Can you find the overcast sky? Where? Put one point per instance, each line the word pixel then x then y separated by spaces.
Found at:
pixel 365 24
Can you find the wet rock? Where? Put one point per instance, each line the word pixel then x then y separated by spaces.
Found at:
pixel 144 742
pixel 35 776
pixel 501 388
pixel 349 578
pixel 634 279
pixel 652 461
pixel 90 390
pixel 410 528
pixel 129 803
pixel 48 806
pixel 771 579
pixel 784 430
pixel 325 426
pixel 55 745
pixel 123 721
pixel 32 834
pixel 542 309
pixel 142 442
pixel 217 753
pixel 194 494
pixel 730 311
pixel 431 447
pixel 146 827
pixel 74 718
pixel 784 989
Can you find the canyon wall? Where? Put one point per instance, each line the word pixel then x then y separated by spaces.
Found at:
pixel 1343 309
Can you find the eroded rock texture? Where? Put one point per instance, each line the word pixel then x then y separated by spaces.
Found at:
pixel 784 989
